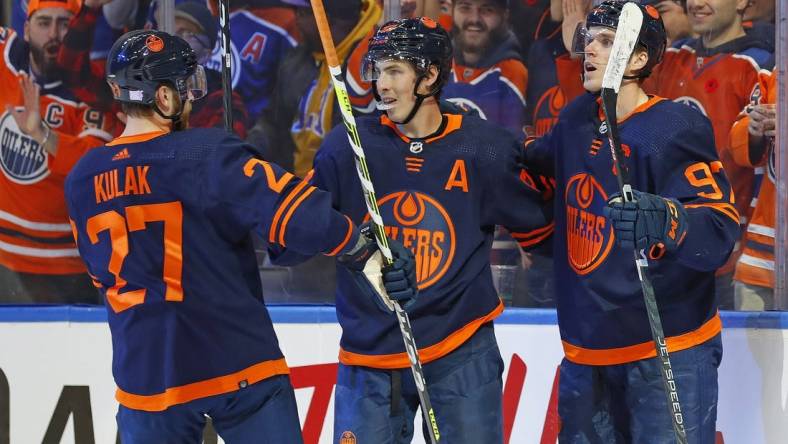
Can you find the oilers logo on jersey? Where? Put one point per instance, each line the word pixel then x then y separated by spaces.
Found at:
pixel 424 226
pixel 22 159
pixel 589 236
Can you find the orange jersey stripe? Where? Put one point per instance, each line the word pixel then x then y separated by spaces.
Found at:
pixel 290 212
pixel 428 354
pixel 202 389
pixel 275 222
pixel 724 208
pixel 645 350
pixel 344 242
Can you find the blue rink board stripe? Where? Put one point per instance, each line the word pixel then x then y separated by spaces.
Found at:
pixel 310 314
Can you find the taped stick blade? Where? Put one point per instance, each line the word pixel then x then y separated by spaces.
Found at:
pixel 627 33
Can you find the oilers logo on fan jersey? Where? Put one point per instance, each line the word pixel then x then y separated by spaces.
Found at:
pixel 22 159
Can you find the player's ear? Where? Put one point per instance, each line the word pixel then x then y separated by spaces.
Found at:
pixel 431 77
pixel 165 99
pixel 638 60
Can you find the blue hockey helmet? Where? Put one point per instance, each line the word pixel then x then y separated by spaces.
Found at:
pixel 140 61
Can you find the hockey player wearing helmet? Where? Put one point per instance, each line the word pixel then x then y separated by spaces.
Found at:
pixel 163 217
pixel 683 222
pixel 443 182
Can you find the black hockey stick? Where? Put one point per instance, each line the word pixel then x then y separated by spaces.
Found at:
pixel 227 79
pixel 335 68
pixel 629 24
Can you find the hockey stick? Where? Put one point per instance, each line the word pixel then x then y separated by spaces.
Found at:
pixel 629 24
pixel 343 100
pixel 227 79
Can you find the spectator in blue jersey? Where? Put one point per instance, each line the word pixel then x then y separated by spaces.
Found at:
pixel 682 222
pixel 488 75
pixel 262 33
pixel 443 181
pixel 163 217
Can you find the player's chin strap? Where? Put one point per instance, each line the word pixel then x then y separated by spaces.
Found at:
pixel 419 98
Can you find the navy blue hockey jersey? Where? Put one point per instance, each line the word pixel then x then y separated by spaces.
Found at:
pixel 669 150
pixel 260 39
pixel 441 197
pixel 163 224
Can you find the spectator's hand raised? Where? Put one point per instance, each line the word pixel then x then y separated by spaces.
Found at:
pixel 28 118
pixel 574 13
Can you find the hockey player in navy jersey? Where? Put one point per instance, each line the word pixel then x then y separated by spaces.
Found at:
pixel 683 219
pixel 444 181
pixel 162 218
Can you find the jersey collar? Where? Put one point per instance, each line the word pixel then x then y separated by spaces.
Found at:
pixel 453 123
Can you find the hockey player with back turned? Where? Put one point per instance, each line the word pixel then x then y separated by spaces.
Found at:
pixel 683 220
pixel 162 217
pixel 443 182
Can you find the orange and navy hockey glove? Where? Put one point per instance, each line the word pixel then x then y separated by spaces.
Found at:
pixel 652 223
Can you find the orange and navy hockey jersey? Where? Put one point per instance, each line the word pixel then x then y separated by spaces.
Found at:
pixel 554 81
pixel 669 151
pixel 164 222
pixel 756 263
pixel 35 236
pixel 442 197
pixel 494 87
pixel 718 82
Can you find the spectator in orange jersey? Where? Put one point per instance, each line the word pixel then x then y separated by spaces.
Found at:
pixel 715 74
pixel 44 132
pixel 752 145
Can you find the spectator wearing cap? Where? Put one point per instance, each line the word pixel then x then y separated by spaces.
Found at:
pixel 45 131
pixel 488 75
pixel 304 107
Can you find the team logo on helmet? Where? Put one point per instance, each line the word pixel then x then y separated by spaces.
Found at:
pixel 154 43
pixel 22 159
pixel 422 224
pixel 589 235
pixel 428 22
pixel 652 11
pixel 347 438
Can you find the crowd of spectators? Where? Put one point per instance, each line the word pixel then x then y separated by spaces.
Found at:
pixel 513 65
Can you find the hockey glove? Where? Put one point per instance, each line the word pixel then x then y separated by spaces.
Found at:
pixel 384 284
pixel 652 223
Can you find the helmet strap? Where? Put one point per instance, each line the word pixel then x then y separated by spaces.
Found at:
pixel 419 99
pixel 177 123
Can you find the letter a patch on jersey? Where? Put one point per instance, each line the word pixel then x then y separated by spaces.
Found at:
pixel 458 178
